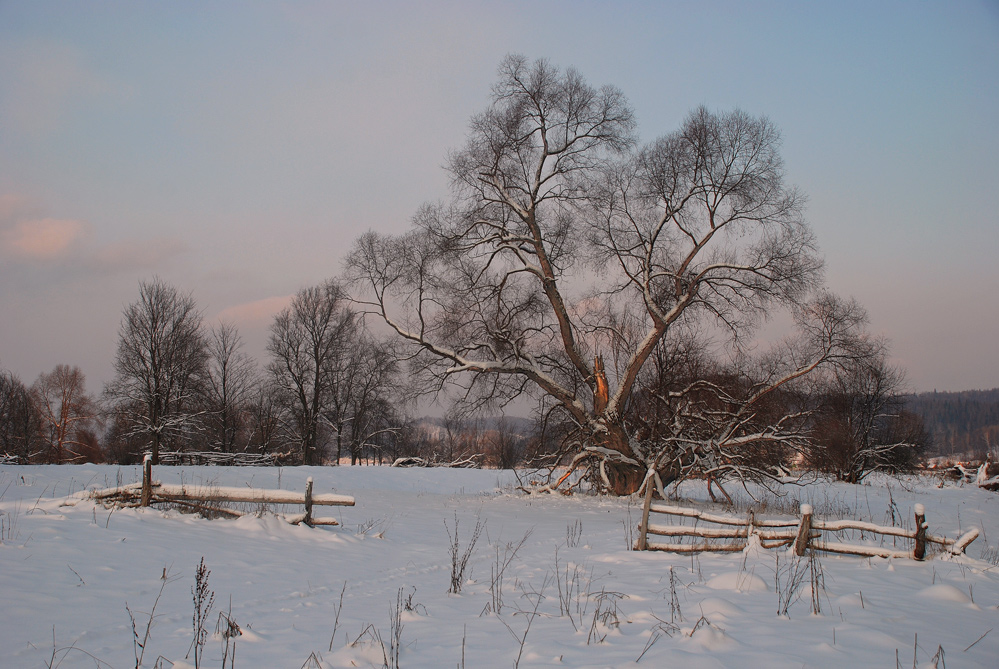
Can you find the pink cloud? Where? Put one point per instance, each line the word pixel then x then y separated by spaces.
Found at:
pixel 259 312
pixel 28 236
pixel 43 239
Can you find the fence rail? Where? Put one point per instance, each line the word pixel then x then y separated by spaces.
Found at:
pixel 216 458
pixel 803 533
pixel 150 492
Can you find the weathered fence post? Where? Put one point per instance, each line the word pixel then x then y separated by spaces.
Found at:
pixel 643 529
pixel 804 530
pixel 147 480
pixel 919 551
pixel 308 502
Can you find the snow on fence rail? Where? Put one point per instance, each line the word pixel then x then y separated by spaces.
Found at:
pixel 216 458
pixel 804 533
pixel 150 492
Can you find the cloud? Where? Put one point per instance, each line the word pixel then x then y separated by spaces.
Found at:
pixel 259 312
pixel 42 239
pixel 28 237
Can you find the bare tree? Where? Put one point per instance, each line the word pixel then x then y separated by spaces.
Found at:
pixel 122 445
pixel 748 417
pixel 229 385
pixel 413 442
pixel 363 378
pixel 558 221
pixel 20 420
pixel 68 412
pixel 304 337
pixel 264 419
pixel 860 426
pixel 505 445
pixel 160 366
pixel 364 383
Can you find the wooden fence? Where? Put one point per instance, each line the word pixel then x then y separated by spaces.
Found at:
pixel 733 533
pixel 151 492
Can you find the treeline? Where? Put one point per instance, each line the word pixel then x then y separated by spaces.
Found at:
pixel 962 423
pixel 330 392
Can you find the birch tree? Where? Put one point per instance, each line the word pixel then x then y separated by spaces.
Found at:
pixel 67 411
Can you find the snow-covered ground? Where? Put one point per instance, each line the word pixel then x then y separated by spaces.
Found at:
pixel 574 595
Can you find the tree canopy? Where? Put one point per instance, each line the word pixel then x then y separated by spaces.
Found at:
pixel 568 255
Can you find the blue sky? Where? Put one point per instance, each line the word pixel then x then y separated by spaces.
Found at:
pixel 235 149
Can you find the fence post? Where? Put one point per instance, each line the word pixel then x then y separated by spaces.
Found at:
pixel 643 529
pixel 308 502
pixel 147 480
pixel 919 551
pixel 804 530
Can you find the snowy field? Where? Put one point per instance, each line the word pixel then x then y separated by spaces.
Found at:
pixel 374 591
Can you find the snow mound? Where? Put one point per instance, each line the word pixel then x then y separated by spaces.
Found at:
pixel 739 582
pixel 712 638
pixel 943 592
pixel 853 599
pixel 714 607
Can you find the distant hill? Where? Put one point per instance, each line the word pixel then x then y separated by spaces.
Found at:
pixel 965 422
pixel 516 424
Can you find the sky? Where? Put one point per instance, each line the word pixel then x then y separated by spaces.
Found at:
pixel 236 149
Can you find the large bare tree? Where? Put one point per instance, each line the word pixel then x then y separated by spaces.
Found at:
pixel 67 410
pixel 559 226
pixel 160 366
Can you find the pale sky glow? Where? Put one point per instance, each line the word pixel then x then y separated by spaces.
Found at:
pixel 236 149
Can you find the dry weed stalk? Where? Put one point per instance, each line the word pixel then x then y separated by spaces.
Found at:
pixel 459 558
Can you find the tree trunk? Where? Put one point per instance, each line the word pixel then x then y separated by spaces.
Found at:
pixel 308 447
pixel 156 448
pixel 624 478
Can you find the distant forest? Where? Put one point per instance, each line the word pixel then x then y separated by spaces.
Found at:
pixel 961 423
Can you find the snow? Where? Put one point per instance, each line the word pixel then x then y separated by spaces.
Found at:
pixel 738 582
pixel 68 568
